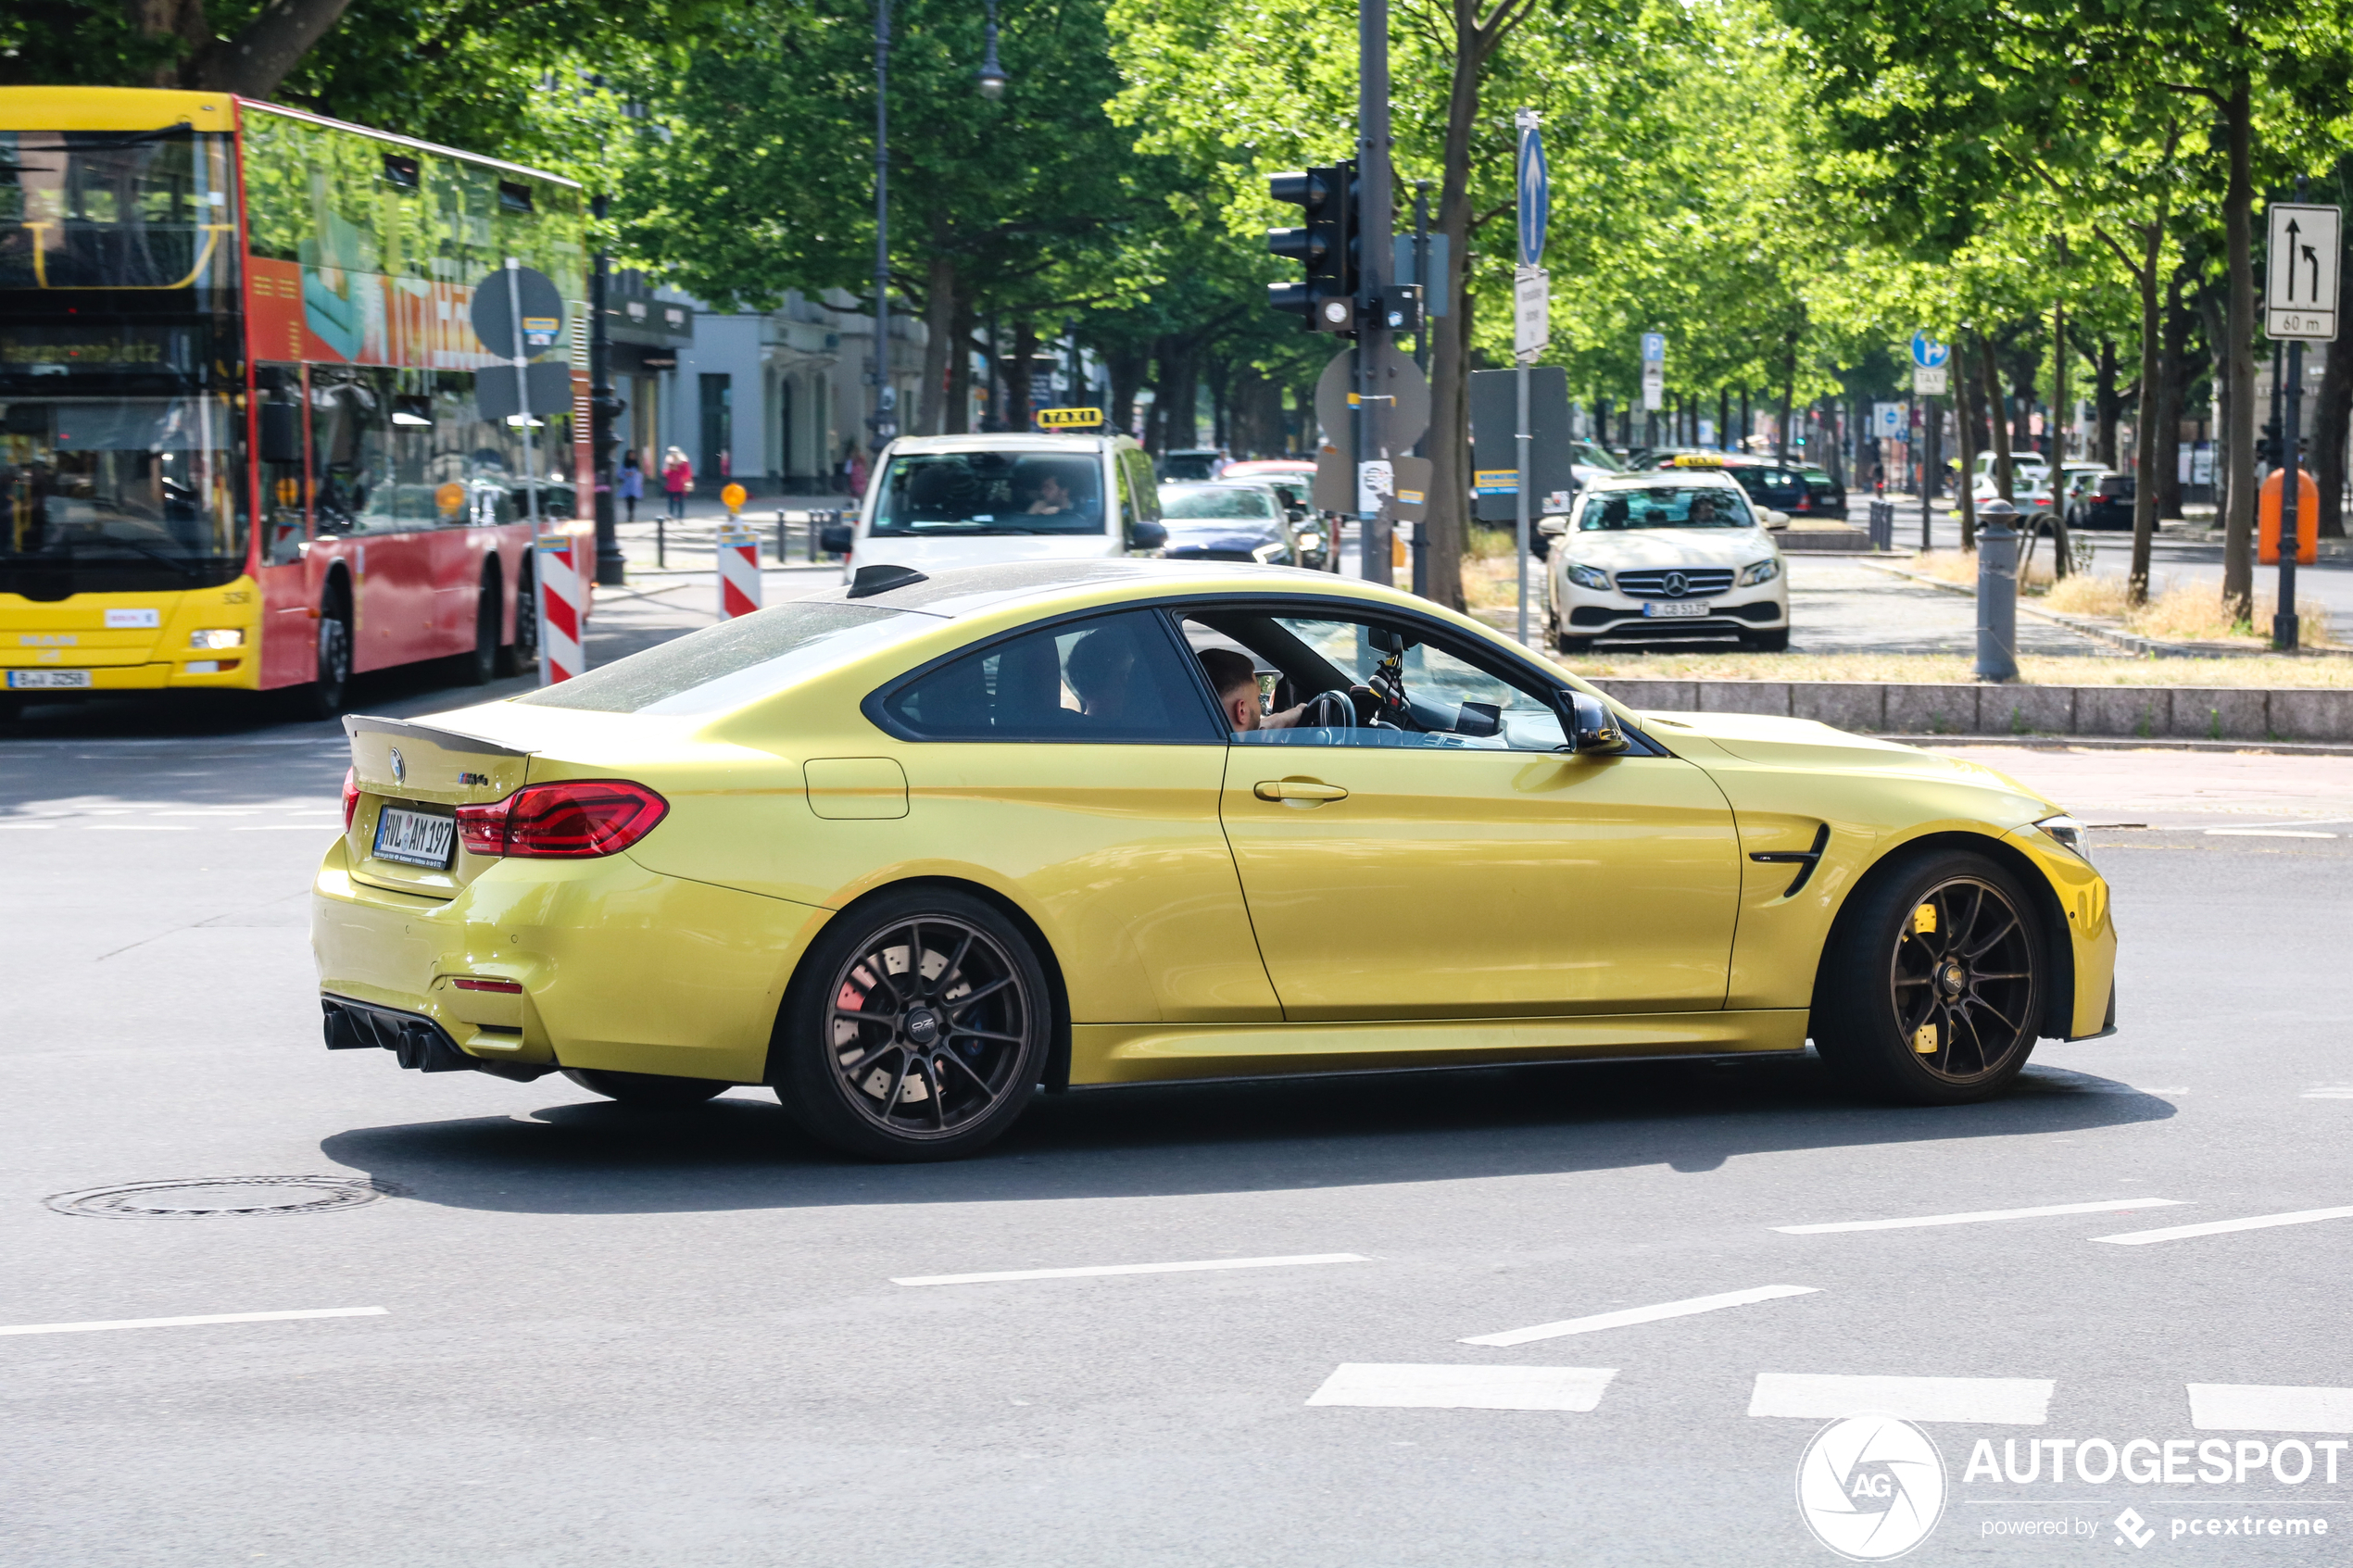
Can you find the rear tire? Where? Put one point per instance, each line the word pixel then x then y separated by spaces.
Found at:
pixel 917 1029
pixel 1942 1016
pixel 645 1088
pixel 521 655
pixel 477 666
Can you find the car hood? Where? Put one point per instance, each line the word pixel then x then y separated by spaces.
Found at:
pixel 1805 744
pixel 986 549
pixel 1669 547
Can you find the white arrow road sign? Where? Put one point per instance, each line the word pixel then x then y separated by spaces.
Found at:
pixel 2300 300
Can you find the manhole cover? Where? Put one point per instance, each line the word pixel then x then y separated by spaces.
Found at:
pixel 226 1195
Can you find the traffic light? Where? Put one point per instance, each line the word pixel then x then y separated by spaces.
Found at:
pixel 1328 245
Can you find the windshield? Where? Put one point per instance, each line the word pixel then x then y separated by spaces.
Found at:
pixel 1664 506
pixel 1594 456
pixel 737 661
pixel 115 210
pixel 140 491
pixel 1180 503
pixel 963 493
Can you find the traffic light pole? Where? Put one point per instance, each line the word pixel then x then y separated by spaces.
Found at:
pixel 1374 225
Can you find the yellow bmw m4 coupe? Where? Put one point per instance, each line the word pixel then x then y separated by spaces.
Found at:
pixel 912 849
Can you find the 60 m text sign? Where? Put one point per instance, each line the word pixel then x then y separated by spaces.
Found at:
pixel 2301 296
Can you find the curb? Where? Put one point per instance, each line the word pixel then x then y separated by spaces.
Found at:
pixel 2113 742
pixel 2310 714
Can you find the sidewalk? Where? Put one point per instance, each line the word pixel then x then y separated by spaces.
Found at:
pixel 656 543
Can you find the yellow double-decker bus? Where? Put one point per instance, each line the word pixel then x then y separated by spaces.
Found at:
pixel 241 445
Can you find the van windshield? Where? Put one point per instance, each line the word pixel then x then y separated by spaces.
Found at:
pixel 964 494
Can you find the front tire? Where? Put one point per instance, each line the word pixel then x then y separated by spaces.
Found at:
pixel 521 655
pixel 330 689
pixel 1932 990
pixel 645 1088
pixel 477 666
pixel 916 1030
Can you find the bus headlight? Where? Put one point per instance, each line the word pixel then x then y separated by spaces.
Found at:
pixel 1591 577
pixel 217 637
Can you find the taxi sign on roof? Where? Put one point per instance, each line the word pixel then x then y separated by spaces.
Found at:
pixel 1070 418
pixel 1697 460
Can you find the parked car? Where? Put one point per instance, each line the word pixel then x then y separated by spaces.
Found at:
pixel 1681 552
pixel 1824 496
pixel 1294 479
pixel 2108 504
pixel 1193 463
pixel 1241 520
pixel 1771 484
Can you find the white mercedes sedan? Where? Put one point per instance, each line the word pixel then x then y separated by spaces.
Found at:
pixel 1675 553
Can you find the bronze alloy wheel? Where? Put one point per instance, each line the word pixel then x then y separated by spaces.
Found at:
pixel 930 1034
pixel 1962 978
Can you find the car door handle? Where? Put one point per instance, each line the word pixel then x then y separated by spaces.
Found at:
pixel 1299 789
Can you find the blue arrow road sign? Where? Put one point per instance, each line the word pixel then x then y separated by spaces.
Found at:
pixel 1927 353
pixel 1535 192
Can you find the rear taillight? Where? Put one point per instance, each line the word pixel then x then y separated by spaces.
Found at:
pixel 562 821
pixel 475 983
pixel 350 796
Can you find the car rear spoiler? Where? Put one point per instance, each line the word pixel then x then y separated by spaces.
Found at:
pixel 447 739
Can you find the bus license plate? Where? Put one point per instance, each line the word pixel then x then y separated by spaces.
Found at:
pixel 49 679
pixel 1679 608
pixel 415 838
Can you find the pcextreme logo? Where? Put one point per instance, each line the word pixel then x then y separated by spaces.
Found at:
pixel 1870 1487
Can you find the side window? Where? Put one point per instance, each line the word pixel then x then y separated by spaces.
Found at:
pixel 1398 689
pixel 1111 679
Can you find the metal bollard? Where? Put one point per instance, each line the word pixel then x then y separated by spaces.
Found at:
pixel 661 541
pixel 1996 591
pixel 780 535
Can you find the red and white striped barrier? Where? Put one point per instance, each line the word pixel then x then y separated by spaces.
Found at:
pixel 738 571
pixel 560 594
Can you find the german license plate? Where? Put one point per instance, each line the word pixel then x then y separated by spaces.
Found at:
pixel 1675 608
pixel 49 679
pixel 415 838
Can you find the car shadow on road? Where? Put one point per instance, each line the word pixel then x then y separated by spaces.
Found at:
pixel 734 1153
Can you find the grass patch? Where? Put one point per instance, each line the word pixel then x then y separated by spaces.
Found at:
pixel 2178 612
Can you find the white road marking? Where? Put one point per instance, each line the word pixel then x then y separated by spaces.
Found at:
pixel 139 827
pixel 1136 1269
pixel 28 825
pixel 2008 1401
pixel 2330 1091
pixel 2217 1227
pixel 1466 1388
pixel 2252 1407
pixel 1980 1216
pixel 183 1322
pixel 1641 1314
pixel 2266 833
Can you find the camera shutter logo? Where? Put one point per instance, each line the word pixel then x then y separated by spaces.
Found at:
pixel 1870 1487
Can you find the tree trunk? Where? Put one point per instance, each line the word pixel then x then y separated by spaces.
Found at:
pixel 265 50
pixel 1965 426
pixel 2150 436
pixel 940 331
pixel 2238 204
pixel 2000 420
pixel 179 19
pixel 960 369
pixel 1789 390
pixel 2330 423
pixel 2218 359
pixel 2062 416
pixel 1127 368
pixel 1017 372
pixel 1445 519
pixel 2172 388
pixel 2107 404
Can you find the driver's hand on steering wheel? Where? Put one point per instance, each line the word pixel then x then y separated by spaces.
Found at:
pixel 1286 719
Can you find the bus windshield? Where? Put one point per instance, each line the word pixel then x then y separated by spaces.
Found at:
pixel 117 493
pixel 111 210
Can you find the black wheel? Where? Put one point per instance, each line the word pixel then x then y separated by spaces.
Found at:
pixel 1775 641
pixel 1931 991
pixel 324 697
pixel 645 1088
pixel 917 1029
pixel 11 709
pixel 521 655
pixel 477 666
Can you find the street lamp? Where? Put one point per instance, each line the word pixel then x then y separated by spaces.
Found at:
pixel 884 422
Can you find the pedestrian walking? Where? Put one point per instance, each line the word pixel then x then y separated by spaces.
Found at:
pixel 857 473
pixel 632 485
pixel 678 479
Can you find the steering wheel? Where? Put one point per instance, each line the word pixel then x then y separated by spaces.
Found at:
pixel 1328 711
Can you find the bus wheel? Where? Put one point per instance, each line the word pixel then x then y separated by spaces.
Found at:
pixel 476 668
pixel 323 698
pixel 521 655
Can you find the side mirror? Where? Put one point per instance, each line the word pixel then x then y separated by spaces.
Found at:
pixel 1592 728
pixel 1552 527
pixel 1776 520
pixel 835 539
pixel 1144 535
pixel 281 432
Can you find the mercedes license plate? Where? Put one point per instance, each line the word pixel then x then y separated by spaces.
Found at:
pixel 1678 608
pixel 415 838
pixel 49 679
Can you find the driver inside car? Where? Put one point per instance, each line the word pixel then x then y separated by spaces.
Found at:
pixel 1232 676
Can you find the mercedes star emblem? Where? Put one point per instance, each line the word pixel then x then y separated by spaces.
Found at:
pixel 1677 586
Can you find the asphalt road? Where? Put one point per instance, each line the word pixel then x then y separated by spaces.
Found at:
pixel 604 1336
